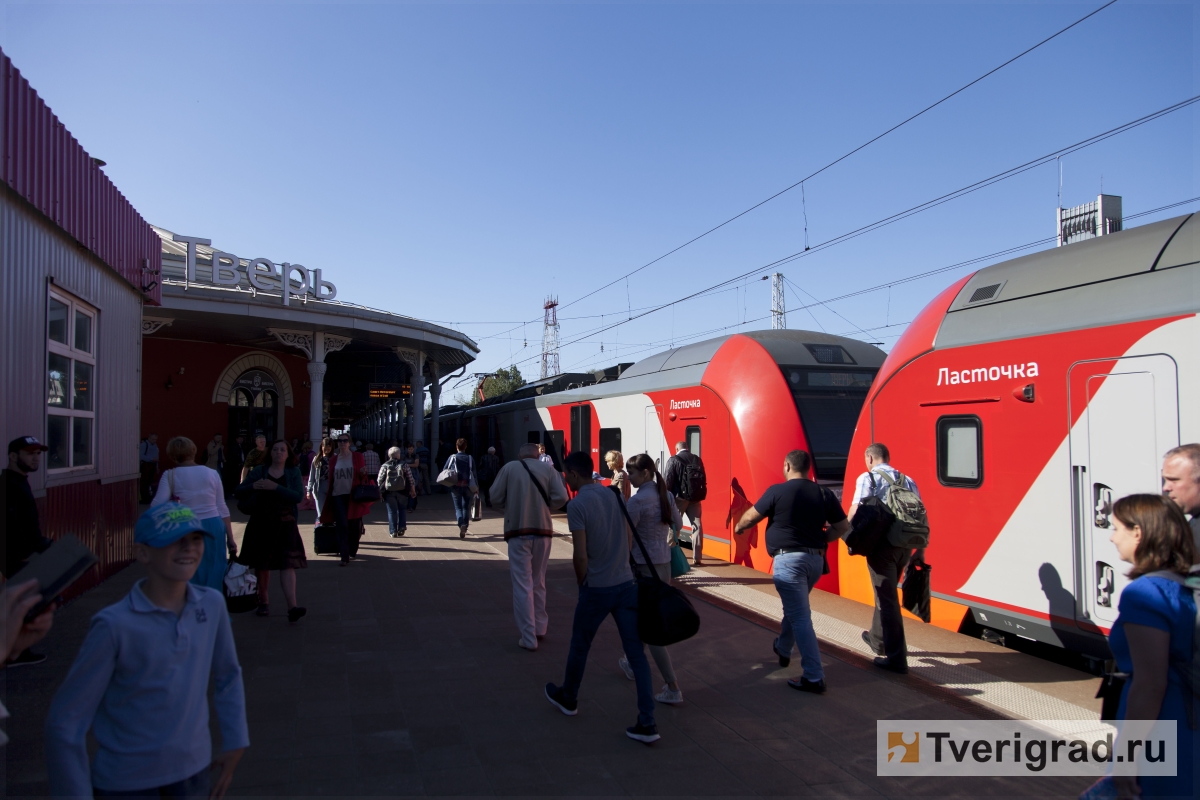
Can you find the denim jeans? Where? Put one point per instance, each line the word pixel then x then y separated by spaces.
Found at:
pixel 593 606
pixel 795 575
pixel 193 788
pixel 397 505
pixel 461 496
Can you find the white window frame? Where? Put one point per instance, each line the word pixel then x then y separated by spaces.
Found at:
pixel 68 351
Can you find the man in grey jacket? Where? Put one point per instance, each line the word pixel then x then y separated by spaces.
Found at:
pixel 528 490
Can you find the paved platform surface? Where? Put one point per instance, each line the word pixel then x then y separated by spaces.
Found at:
pixel 405 678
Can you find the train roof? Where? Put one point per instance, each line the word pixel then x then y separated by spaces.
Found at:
pixel 1139 273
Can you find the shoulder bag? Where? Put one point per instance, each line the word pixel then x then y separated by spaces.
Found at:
pixel 449 476
pixel 536 485
pixel 665 615
pixel 871 524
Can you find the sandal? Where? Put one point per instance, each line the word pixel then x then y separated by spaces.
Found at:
pixel 264 610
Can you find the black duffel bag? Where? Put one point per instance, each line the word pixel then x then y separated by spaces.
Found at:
pixel 870 527
pixel 665 615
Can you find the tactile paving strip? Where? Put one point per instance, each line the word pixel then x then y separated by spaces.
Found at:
pixel 1012 699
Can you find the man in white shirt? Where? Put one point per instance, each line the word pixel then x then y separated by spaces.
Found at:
pixel 528 490
pixel 886 565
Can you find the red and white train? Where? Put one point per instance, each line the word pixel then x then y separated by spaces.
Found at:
pixel 1027 397
pixel 1023 400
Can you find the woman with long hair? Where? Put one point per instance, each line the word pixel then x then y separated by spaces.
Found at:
pixel 1154 628
pixel 318 475
pixel 346 471
pixel 272 539
pixel 199 488
pixel 654 514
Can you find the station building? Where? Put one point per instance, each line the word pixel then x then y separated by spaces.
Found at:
pixel 113 329
pixel 229 351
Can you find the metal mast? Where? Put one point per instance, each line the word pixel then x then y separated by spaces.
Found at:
pixel 550 339
pixel 778 309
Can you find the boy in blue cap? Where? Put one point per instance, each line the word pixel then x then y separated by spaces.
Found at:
pixel 140 681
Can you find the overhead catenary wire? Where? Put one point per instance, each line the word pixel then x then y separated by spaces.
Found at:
pixel 840 158
pixel 925 206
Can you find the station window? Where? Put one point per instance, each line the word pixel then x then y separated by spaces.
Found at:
pixel 610 439
pixel 70 397
pixel 960 451
pixel 692 435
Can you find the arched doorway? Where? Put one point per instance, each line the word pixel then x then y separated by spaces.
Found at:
pixel 253 406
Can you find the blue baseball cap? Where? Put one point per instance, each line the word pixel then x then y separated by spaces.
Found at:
pixel 166 524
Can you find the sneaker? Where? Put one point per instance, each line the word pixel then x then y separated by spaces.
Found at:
pixel 643 733
pixel 524 646
pixel 401 532
pixel 805 685
pixel 669 696
pixel 296 612
pixel 556 696
pixel 783 660
pixel 623 663
pixel 866 637
pixel 462 531
pixel 27 658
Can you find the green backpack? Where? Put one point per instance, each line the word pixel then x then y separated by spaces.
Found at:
pixel 911 528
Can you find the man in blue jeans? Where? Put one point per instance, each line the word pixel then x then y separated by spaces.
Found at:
pixel 798 511
pixel 602 541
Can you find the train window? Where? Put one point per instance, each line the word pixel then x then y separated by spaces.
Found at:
pixel 610 439
pixel 534 438
pixel 692 435
pixel 829 402
pixel 960 451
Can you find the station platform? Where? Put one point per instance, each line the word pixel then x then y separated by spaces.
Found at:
pixel 405 679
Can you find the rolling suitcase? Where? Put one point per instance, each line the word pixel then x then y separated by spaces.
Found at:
pixel 325 540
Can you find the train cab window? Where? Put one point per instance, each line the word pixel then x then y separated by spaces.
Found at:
pixel 534 438
pixel 960 451
pixel 692 437
pixel 610 439
pixel 829 402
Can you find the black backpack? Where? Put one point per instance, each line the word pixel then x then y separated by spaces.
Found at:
pixel 693 483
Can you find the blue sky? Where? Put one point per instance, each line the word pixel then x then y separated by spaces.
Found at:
pixel 460 162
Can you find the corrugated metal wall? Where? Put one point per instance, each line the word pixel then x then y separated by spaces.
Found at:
pixel 106 528
pixel 46 166
pixel 33 252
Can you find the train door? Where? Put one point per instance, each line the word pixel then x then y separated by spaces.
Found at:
pixel 1130 420
pixel 656 445
pixel 581 429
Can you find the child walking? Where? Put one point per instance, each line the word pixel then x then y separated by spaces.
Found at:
pixel 140 681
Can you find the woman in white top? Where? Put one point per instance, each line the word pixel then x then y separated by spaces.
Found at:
pixel 653 511
pixel 199 488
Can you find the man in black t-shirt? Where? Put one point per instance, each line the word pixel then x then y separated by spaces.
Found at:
pixel 798 511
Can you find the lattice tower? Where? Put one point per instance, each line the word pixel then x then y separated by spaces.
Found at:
pixel 778 305
pixel 550 339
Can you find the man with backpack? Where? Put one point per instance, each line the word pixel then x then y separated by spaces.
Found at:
pixel 687 480
pixel 528 491
pixel 398 487
pixel 883 485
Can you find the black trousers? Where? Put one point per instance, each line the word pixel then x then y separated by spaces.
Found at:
pixel 886 565
pixel 485 490
pixel 349 531
pixel 149 470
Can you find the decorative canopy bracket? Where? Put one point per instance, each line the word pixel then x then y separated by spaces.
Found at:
pixel 151 325
pixel 334 343
pixel 301 340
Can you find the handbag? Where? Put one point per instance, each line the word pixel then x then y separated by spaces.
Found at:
pixel 366 492
pixel 665 615
pixel 449 476
pixel 476 508
pixel 915 589
pixel 679 562
pixel 241 589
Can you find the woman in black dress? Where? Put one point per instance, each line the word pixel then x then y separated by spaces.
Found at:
pixel 272 539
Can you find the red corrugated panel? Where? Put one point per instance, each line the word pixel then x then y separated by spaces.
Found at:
pixel 43 163
pixel 102 516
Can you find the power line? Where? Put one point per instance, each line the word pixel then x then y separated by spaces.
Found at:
pixel 841 158
pixel 919 208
